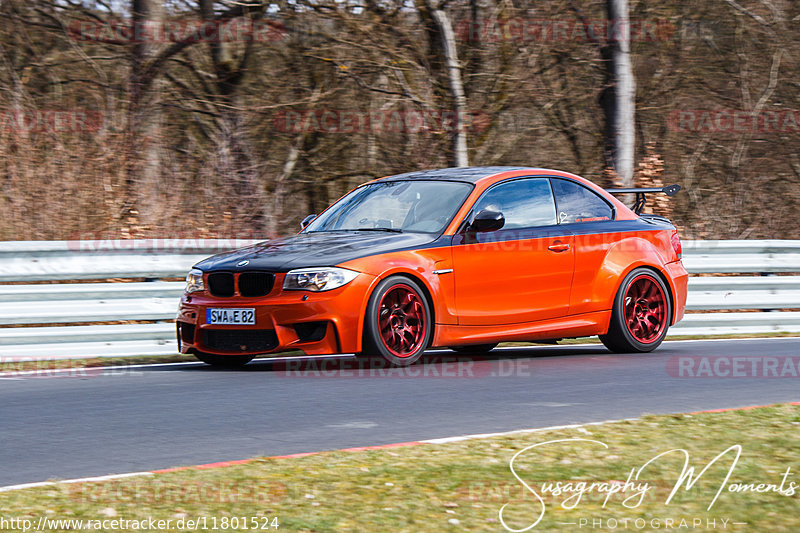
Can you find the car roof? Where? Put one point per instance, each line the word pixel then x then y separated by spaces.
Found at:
pixel 491 175
pixel 465 174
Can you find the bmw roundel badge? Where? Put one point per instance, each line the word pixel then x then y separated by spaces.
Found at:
pixel 243 263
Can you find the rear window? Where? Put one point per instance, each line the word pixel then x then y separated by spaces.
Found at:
pixel 576 203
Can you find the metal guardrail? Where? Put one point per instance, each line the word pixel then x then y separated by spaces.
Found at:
pixel 156 301
pixel 767 292
pixel 726 257
pixel 104 259
pixel 81 303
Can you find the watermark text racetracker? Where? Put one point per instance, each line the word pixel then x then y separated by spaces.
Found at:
pixel 109 244
pixel 50 121
pixel 377 122
pixel 734 121
pixel 24 367
pixel 525 30
pixel 235 30
pixel 732 367
pixel 149 491
pixel 434 366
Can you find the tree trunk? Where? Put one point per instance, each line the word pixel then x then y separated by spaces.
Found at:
pixel 445 27
pixel 234 147
pixel 619 96
pixel 142 171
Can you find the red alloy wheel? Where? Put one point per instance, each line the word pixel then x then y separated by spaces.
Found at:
pixel 402 321
pixel 645 309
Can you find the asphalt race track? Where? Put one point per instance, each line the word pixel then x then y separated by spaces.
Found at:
pixel 157 417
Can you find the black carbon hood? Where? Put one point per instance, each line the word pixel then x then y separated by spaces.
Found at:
pixel 314 250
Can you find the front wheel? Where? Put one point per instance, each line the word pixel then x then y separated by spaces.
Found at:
pixel 641 314
pixel 398 325
pixel 224 361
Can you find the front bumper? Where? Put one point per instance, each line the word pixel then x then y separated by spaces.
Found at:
pixel 315 323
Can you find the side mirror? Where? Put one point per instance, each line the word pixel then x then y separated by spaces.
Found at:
pixel 487 220
pixel 306 221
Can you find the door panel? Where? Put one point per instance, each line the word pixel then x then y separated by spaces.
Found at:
pixel 522 272
pixel 513 276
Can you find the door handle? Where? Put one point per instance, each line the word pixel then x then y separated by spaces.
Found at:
pixel 558 247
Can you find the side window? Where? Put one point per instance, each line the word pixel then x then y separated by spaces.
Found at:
pixel 524 203
pixel 576 203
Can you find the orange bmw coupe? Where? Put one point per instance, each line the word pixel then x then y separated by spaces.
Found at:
pixel 463 258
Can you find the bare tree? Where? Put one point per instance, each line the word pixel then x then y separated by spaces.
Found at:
pixel 619 96
pixel 190 138
pixel 445 27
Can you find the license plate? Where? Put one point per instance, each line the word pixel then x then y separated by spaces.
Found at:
pixel 231 316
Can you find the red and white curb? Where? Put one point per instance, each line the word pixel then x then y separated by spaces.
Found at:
pixel 225 464
pixel 748 408
pixel 445 440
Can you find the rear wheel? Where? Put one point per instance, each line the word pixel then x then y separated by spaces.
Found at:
pixel 641 314
pixel 224 361
pixel 475 348
pixel 398 324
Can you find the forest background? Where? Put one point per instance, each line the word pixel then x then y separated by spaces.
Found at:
pixel 163 118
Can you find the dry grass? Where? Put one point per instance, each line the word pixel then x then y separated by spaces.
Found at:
pixel 462 486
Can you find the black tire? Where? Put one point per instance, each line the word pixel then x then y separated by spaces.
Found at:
pixel 224 361
pixel 475 348
pixel 407 329
pixel 639 324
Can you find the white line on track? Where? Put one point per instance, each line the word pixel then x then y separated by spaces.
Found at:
pixel 95 479
pixel 522 431
pixel 445 440
pixel 748 339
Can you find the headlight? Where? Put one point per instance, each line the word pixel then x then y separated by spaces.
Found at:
pixel 194 281
pixel 317 279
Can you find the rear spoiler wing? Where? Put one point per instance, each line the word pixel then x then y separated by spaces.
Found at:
pixel 638 206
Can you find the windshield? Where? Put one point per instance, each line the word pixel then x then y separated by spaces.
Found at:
pixel 416 206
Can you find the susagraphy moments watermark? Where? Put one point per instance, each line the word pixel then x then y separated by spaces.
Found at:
pixel 634 491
